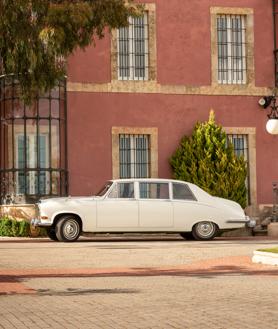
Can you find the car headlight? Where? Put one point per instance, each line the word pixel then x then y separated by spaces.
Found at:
pixel 250 222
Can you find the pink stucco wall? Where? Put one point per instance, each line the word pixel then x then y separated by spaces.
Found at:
pixel 183 44
pixel 91 117
pixel 183 57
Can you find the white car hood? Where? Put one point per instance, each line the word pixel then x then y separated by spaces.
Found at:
pixel 68 199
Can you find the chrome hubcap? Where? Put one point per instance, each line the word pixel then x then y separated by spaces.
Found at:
pixel 71 229
pixel 205 229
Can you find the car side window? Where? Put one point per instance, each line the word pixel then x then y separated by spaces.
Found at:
pixel 154 190
pixel 122 191
pixel 182 192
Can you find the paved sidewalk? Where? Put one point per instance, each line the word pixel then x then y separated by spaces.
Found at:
pixel 123 283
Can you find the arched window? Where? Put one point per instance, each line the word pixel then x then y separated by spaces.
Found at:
pixel 33 154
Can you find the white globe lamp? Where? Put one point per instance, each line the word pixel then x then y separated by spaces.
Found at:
pixel 272 126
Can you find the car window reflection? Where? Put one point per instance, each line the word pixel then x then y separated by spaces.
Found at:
pixel 122 191
pixel 182 192
pixel 154 190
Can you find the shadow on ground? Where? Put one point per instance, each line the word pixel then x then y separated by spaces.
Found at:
pixel 84 292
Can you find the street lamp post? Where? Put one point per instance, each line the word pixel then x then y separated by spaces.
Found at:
pixel 272 122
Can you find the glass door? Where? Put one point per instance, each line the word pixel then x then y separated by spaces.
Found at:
pixel 31 177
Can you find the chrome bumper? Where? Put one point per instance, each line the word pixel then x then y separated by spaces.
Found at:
pixel 249 222
pixel 38 223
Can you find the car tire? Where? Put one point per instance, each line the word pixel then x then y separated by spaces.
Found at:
pixel 187 235
pixel 204 230
pixel 50 231
pixel 68 229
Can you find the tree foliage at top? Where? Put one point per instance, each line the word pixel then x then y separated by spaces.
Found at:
pixel 37 35
pixel 209 161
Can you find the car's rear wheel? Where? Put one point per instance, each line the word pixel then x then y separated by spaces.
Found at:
pixel 187 235
pixel 68 229
pixel 204 230
pixel 50 231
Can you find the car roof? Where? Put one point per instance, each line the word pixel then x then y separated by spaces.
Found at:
pixel 197 191
pixel 165 180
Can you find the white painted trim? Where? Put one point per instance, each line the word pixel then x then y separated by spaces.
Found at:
pixel 268 258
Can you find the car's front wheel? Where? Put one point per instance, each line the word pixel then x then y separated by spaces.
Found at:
pixel 204 230
pixel 68 229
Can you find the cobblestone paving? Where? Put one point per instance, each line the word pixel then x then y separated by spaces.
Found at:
pixel 136 284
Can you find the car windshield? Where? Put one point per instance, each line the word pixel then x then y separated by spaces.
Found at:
pixel 104 189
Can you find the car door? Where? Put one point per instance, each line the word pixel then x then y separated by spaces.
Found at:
pixel 155 206
pixel 186 207
pixel 118 212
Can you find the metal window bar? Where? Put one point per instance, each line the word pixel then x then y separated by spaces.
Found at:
pixel 123 58
pixel 133 49
pixel 231 44
pixel 134 156
pixel 24 169
pixel 241 148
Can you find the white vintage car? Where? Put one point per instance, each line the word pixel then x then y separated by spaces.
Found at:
pixel 141 205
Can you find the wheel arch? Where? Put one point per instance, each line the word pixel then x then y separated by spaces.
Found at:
pixel 58 216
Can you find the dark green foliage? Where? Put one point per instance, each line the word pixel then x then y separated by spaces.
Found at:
pixel 24 228
pixel 207 160
pixel 37 35
pixel 6 227
pixel 11 227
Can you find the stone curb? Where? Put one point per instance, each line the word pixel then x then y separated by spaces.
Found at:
pixel 267 258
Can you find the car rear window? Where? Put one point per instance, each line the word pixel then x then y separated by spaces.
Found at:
pixel 182 192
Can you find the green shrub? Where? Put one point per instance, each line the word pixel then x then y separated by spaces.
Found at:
pixel 273 250
pixel 207 160
pixel 12 227
pixel 6 227
pixel 24 228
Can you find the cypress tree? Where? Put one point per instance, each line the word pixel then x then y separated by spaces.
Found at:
pixel 208 160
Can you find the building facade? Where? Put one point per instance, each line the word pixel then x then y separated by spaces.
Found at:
pixel 132 96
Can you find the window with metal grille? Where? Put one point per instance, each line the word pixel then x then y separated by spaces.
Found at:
pixel 240 143
pixel 231 44
pixel 133 49
pixel 33 157
pixel 134 156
